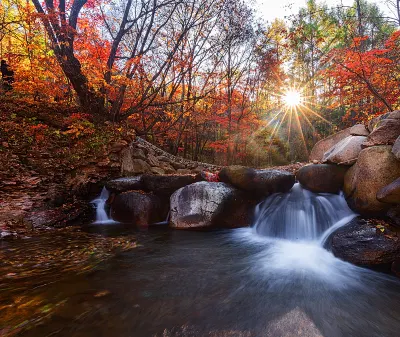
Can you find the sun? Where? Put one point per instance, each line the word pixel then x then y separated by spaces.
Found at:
pixel 292 98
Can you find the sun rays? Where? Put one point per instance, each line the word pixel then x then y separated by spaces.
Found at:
pixel 294 113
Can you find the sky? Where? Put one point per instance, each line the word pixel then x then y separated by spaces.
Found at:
pixel 268 10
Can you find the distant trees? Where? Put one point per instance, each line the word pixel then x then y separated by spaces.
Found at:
pixel 203 78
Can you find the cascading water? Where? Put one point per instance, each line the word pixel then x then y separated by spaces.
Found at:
pixel 99 203
pixel 300 214
pixel 292 227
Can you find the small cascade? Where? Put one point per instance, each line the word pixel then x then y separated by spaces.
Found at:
pixel 165 222
pixel 301 214
pixel 99 203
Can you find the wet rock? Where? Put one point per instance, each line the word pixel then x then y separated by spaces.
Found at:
pixel 375 168
pixel 390 193
pixel 206 205
pixel 317 153
pixel 396 148
pixel 322 178
pixel 359 130
pixel 364 244
pixel 385 133
pixel 376 122
pixel 168 184
pixel 138 208
pixel 132 166
pixel 346 151
pixel 263 182
pixel 125 184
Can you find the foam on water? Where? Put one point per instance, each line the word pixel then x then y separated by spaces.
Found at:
pixel 99 203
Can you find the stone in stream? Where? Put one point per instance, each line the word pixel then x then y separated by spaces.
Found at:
pixel 375 168
pixel 319 149
pixel 138 208
pixel 364 244
pixel 345 152
pixel 207 205
pixel 322 178
pixel 261 182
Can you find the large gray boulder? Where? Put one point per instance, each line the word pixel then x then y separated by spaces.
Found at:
pixel 345 152
pixel 261 182
pixel 364 244
pixel 322 178
pixel 375 168
pixel 319 149
pixel 208 205
pixel 138 208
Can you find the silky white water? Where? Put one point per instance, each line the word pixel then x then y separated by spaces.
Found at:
pixel 99 203
pixel 300 214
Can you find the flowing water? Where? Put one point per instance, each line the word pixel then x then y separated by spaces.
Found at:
pixel 269 280
pixel 102 217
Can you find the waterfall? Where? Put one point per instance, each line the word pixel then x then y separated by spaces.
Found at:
pixel 301 215
pixel 99 203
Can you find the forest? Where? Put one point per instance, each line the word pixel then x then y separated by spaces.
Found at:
pixel 207 80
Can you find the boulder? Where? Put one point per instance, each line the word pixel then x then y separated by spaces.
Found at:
pixel 132 166
pixel 125 184
pixel 364 244
pixel 385 133
pixel 396 148
pixel 375 122
pixel 207 205
pixel 118 146
pixel 346 151
pixel 317 153
pixel 375 168
pixel 168 184
pixel 138 208
pixel 359 130
pixel 262 182
pixel 322 178
pixel 390 193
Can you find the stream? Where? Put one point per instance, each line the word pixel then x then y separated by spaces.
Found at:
pixel 224 283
